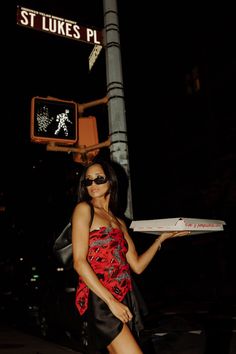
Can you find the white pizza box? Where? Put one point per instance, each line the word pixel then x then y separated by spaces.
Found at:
pixel 196 226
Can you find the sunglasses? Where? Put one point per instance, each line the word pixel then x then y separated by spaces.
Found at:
pixel 98 180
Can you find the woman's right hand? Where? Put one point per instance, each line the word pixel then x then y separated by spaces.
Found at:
pixel 121 311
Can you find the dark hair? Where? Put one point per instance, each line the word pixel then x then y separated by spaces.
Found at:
pixel 112 177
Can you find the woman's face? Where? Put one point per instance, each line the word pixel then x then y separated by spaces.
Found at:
pixel 96 181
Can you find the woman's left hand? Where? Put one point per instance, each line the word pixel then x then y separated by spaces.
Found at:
pixel 171 234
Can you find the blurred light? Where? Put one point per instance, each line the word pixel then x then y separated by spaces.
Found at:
pixel 60 269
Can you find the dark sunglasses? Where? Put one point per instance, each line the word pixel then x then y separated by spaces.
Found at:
pixel 98 180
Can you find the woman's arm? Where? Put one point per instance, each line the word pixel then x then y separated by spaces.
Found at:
pixel 80 243
pixel 139 263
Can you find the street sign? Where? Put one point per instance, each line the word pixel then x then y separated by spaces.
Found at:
pixel 53 120
pixel 57 25
pixel 94 55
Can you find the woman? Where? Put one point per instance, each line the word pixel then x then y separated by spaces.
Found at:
pixel 104 256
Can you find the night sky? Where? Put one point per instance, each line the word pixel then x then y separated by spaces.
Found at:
pixel 179 71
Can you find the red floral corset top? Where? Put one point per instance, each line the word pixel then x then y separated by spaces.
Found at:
pixel 107 257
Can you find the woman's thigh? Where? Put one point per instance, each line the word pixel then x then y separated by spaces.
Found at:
pixel 124 343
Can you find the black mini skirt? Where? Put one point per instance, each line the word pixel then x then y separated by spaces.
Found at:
pixel 100 326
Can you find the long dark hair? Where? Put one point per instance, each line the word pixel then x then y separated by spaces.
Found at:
pixel 112 177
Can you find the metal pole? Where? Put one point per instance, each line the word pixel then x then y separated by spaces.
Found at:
pixel 115 92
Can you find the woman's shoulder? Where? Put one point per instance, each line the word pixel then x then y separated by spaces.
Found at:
pixel 122 224
pixel 82 207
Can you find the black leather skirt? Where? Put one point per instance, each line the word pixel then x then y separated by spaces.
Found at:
pixel 100 326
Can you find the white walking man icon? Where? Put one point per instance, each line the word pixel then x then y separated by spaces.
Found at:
pixel 62 119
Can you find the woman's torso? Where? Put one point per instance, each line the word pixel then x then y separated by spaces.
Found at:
pixel 107 256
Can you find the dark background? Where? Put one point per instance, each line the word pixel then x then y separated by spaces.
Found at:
pixel 181 136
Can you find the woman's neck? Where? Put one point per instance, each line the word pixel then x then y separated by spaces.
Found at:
pixel 101 204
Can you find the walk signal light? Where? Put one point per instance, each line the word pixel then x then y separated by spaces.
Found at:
pixel 53 120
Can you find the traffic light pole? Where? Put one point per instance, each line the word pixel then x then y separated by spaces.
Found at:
pixel 115 92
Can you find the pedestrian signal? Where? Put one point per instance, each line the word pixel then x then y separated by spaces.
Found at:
pixel 53 120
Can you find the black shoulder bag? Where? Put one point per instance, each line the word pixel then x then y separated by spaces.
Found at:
pixel 62 247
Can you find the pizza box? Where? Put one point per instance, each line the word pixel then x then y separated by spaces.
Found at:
pixel 196 226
